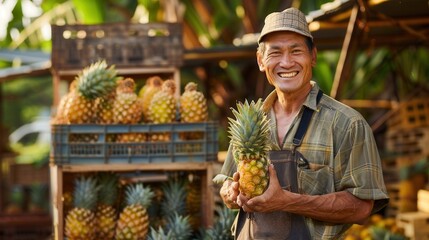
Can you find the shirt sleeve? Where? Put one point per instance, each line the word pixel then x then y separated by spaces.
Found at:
pixel 361 165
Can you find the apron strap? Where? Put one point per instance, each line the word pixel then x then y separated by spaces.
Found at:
pixel 305 121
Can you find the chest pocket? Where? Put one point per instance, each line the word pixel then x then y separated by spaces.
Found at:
pixel 314 179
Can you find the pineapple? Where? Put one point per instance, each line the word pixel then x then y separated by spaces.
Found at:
pixel 250 139
pixel 93 82
pixel 162 108
pixel 80 221
pixel 193 200
pixel 127 107
pixel 106 214
pixel 193 105
pixel 105 108
pixel 60 116
pixel 193 108
pixel 133 221
pixel 146 93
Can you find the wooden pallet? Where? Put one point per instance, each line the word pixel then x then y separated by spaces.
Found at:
pixel 411 114
pixel 412 142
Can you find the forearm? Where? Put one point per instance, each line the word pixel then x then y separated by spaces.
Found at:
pixel 339 207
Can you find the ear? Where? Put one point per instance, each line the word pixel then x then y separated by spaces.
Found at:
pixel 260 62
pixel 314 56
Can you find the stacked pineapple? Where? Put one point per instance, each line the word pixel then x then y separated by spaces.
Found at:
pixel 106 214
pixel 250 138
pixel 133 221
pixel 95 82
pixel 80 221
pixel 99 96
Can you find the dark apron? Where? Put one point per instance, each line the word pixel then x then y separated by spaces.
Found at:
pixel 280 224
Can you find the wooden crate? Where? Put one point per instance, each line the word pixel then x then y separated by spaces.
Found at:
pixel 28 174
pixel 123 44
pixel 415 225
pixel 423 200
pixel 25 226
pixel 410 114
pixel 59 175
pixel 392 208
pixel 412 142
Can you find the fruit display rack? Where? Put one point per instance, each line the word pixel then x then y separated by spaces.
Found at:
pixel 138 51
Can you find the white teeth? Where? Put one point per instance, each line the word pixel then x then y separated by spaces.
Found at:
pixel 288 75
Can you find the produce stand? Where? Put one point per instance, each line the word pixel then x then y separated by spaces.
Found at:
pixel 138 51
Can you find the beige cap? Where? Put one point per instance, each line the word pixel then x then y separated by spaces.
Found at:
pixel 290 19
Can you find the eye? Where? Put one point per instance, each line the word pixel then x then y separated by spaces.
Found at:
pixel 274 54
pixel 296 51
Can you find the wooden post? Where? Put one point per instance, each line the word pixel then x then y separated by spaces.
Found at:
pixel 348 53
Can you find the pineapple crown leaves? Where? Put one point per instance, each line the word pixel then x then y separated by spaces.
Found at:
pixel 97 80
pixel 86 192
pixel 221 228
pixel 108 183
pixel 174 198
pixel 139 194
pixel 159 234
pixel 179 226
pixel 250 131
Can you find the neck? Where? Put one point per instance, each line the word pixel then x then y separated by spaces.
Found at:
pixel 290 103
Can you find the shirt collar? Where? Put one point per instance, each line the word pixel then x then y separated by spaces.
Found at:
pixel 310 101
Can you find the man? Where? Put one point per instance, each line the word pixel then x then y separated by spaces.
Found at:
pixel 339 177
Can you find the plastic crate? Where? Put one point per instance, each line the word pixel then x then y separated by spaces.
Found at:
pixel 103 151
pixel 122 44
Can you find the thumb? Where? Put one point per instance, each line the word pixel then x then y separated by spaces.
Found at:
pixel 273 174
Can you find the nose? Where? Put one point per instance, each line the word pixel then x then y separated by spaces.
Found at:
pixel 286 60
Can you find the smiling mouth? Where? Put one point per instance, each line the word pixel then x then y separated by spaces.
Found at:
pixel 288 75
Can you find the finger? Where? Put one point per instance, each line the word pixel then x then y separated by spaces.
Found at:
pixel 236 176
pixel 235 186
pixel 272 170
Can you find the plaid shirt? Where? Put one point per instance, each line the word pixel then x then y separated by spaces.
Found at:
pixel 343 156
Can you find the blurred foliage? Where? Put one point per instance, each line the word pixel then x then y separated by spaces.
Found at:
pixel 377 73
